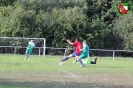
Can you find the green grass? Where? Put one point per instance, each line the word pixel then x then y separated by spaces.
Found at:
pixel 46 72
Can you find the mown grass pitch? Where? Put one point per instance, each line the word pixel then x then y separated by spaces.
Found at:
pixel 46 72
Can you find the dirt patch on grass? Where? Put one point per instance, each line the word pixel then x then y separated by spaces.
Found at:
pixel 67 80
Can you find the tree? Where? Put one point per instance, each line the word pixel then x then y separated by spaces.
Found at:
pixel 55 21
pixel 123 28
pixel 6 2
pixel 100 16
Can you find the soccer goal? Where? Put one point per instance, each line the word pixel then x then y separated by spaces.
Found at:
pixel 17 45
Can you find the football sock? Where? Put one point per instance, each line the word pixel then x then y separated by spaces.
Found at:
pixel 76 60
pixel 95 61
pixel 66 58
pixel 27 56
pixel 80 61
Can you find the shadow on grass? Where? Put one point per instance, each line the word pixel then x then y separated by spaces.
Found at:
pixel 8 83
pixel 94 66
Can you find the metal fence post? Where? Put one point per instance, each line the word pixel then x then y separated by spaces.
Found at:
pixel 14 51
pixel 39 51
pixel 113 54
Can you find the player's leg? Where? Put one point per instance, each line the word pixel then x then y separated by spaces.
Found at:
pixel 94 62
pixel 26 54
pixel 29 53
pixel 76 56
pixel 66 58
pixel 82 56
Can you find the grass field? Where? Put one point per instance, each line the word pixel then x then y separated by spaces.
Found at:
pixel 46 72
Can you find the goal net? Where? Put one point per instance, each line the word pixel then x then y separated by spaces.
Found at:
pixel 17 45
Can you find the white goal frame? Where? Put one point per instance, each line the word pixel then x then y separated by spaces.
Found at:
pixel 44 44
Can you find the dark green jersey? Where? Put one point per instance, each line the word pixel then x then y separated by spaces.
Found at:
pixel 85 49
pixel 31 46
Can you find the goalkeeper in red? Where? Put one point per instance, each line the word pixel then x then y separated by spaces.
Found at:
pixel 76 52
pixel 29 49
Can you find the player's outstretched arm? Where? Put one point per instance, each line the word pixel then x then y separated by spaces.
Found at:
pixel 69 42
pixel 82 49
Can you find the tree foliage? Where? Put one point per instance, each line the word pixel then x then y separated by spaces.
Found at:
pixel 6 2
pixel 123 28
pixel 58 20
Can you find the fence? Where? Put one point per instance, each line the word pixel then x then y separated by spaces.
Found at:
pixel 114 52
pixel 60 51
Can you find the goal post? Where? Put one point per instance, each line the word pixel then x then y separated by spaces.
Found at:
pixel 20 43
pixel 44 47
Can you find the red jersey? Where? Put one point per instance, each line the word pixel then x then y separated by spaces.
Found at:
pixel 77 47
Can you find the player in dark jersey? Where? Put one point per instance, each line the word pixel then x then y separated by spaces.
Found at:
pixel 76 52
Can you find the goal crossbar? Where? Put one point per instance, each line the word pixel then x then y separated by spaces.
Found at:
pixel 24 38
